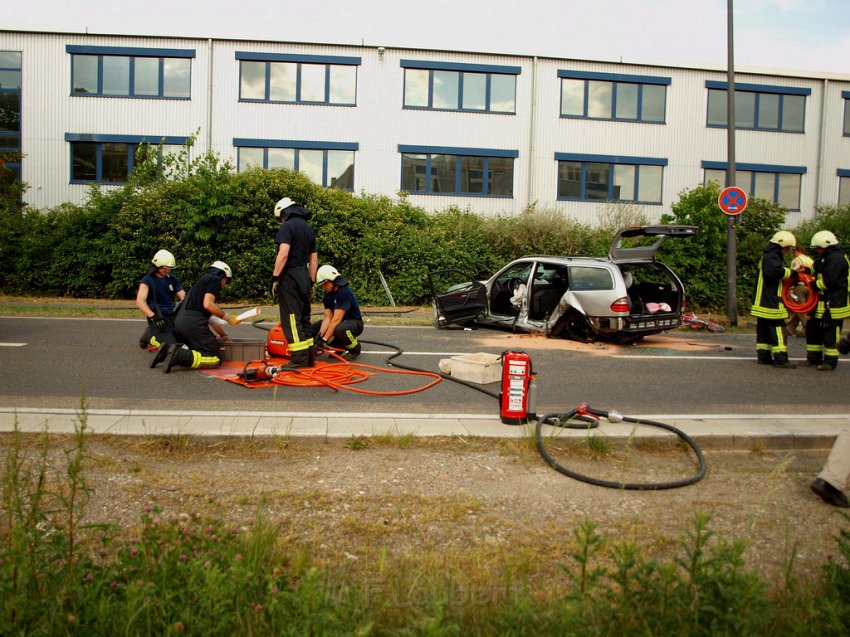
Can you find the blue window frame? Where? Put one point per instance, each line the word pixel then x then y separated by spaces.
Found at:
pixel 10 103
pixel 610 178
pixel 297 79
pixel 843 187
pixel 108 159
pixel 846 96
pixel 613 96
pixel 330 164
pixel 759 107
pixel 106 71
pixel 450 86
pixel 468 172
pixel 779 184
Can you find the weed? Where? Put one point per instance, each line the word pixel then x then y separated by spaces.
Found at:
pixel 600 446
pixel 356 443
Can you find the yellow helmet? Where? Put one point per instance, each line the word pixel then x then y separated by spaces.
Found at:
pixel 823 239
pixel 164 259
pixel 326 273
pixel 784 238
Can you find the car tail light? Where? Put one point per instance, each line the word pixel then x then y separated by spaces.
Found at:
pixel 683 304
pixel 620 305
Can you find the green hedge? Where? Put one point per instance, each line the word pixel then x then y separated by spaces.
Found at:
pixel 203 211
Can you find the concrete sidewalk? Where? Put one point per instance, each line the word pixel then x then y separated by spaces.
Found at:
pixel 738 432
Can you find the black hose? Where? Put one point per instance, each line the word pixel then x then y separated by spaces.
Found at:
pixel 569 420
pixel 630 486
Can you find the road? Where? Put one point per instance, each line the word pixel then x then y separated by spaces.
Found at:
pixel 53 362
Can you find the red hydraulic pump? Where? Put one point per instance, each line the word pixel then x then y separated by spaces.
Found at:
pixel 519 387
pixel 276 344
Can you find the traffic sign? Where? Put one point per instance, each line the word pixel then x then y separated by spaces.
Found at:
pixel 732 200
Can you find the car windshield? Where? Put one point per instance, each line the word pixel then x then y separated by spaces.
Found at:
pixel 590 278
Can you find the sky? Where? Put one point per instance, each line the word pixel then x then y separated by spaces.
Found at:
pixel 797 35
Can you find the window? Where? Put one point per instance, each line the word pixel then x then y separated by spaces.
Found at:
pixel 110 158
pixel 846 96
pixel 590 278
pixel 628 98
pixel 297 79
pixel 457 171
pixel 757 107
pixel 10 101
pixel 449 86
pixel 843 187
pixel 779 184
pixel 330 164
pixel 131 72
pixel 609 178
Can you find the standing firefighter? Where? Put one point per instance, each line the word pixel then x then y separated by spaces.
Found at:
pixel 831 280
pixel 768 308
pixel 342 322
pixel 200 348
pixel 292 280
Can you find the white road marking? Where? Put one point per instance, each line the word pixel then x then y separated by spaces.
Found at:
pixel 12 344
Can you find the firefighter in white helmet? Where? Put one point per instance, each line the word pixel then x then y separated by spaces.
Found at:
pixel 768 308
pixel 342 321
pixel 293 274
pixel 197 346
pixel 831 281
pixel 155 299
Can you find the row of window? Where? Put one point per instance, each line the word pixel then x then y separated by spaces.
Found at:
pixel 10 114
pixel 452 171
pixel 332 80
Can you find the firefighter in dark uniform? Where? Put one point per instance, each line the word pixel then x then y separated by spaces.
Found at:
pixel 155 299
pixel 770 312
pixel 292 280
pixel 831 281
pixel 198 347
pixel 342 321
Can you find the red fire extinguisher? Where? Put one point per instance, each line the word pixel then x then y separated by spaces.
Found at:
pixel 518 389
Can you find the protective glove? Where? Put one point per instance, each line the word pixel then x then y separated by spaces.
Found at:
pixel 273 288
pixel 320 344
pixel 232 320
pixel 156 322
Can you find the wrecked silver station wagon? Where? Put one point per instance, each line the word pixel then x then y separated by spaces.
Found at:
pixel 622 298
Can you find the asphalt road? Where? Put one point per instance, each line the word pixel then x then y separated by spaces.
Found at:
pixel 54 362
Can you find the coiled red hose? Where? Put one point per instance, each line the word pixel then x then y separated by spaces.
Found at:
pixel 794 306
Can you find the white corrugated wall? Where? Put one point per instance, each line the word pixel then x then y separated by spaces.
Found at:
pixel 379 124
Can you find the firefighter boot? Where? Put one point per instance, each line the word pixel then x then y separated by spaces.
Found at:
pixel 161 353
pixel 764 357
pixel 829 363
pixel 782 361
pixel 182 356
pixel 352 354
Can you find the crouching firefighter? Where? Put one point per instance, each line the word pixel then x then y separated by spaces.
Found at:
pixel 768 308
pixel 342 321
pixel 198 347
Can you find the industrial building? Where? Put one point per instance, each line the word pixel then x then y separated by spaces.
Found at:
pixel 491 133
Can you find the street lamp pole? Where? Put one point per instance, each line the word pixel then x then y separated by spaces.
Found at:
pixel 733 220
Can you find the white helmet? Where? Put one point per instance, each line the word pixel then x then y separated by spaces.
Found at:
pixel 326 273
pixel 784 238
pixel 282 205
pixel 221 265
pixel 823 239
pixel 164 259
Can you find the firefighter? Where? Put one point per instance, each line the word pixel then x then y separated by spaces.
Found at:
pixel 768 308
pixel 198 347
pixel 292 280
pixel 155 299
pixel 342 321
pixel 831 280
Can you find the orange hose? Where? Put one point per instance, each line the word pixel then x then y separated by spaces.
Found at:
pixel 810 303
pixel 340 375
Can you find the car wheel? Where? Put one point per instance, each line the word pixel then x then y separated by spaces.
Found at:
pixel 578 329
pixel 628 339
